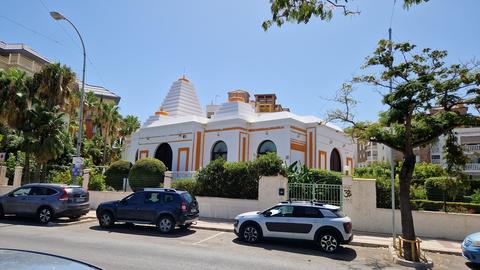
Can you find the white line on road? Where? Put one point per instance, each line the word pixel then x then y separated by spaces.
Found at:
pixel 208 238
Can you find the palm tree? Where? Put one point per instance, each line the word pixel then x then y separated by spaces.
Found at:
pixel 107 119
pixel 15 97
pixel 54 85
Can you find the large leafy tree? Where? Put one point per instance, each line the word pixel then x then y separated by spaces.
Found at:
pixel 427 99
pixel 301 11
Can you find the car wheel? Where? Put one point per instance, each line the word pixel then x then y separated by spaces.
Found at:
pixel 106 219
pixel 165 224
pixel 251 233
pixel 185 226
pixel 45 215
pixel 328 242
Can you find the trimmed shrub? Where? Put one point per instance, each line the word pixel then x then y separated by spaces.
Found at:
pixel 319 176
pixel 437 187
pixel 476 196
pixel 210 179
pixel 458 207
pixel 241 180
pixel 147 172
pixel 375 170
pixel 384 193
pixel 116 172
pixel 187 184
pixel 269 164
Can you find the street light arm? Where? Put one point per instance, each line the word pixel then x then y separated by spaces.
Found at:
pixel 78 33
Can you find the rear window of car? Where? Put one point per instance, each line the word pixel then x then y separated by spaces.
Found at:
pixel 187 197
pixel 332 213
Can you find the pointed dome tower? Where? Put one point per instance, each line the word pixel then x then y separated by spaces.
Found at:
pixel 182 100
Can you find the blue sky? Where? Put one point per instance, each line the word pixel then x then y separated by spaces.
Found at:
pixel 138 48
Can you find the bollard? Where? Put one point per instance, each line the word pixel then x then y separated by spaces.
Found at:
pixel 17 178
pixel 86 178
pixel 3 176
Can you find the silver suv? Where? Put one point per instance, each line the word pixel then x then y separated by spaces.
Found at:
pixel 323 223
pixel 46 201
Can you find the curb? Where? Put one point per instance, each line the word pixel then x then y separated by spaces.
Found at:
pixel 417 265
pixel 353 243
pixel 83 220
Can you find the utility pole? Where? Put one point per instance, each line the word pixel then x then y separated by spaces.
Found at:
pixel 392 164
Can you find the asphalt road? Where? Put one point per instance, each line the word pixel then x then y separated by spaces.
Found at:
pixel 142 247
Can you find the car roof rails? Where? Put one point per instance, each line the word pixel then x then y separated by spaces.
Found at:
pixel 160 189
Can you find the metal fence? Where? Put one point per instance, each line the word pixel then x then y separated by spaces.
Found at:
pixel 325 193
pixel 183 174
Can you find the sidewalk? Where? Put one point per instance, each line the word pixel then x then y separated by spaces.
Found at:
pixel 359 239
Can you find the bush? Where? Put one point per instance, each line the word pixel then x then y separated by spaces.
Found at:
pixel 374 170
pixel 461 207
pixel 228 180
pixel 424 170
pixel 96 181
pixel 437 187
pixel 269 164
pixel 384 193
pixel 319 176
pixel 418 192
pixel 147 172
pixel 60 177
pixel 115 174
pixel 187 184
pixel 476 196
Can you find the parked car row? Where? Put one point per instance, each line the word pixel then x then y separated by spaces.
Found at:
pixel 170 208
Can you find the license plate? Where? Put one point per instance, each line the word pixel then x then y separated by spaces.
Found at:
pixel 79 199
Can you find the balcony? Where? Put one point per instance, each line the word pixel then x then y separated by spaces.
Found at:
pixel 472 167
pixel 471 148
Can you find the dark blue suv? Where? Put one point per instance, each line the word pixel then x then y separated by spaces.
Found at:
pixel 166 208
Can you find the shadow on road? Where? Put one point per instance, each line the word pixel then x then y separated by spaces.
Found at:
pixel 301 247
pixel 146 230
pixel 31 221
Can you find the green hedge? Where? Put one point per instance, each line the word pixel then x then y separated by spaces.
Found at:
pixel 457 207
pixel 436 187
pixel 319 176
pixel 116 172
pixel 187 184
pixel 268 164
pixel 147 172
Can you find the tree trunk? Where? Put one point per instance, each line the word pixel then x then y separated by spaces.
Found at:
pixel 408 229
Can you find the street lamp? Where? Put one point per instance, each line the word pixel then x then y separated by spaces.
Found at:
pixel 57 16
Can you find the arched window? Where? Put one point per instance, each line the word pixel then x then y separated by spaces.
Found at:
pixel 219 150
pixel 265 147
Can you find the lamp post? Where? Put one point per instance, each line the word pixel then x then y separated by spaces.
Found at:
pixel 57 16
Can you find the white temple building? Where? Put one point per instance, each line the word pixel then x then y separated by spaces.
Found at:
pixel 185 138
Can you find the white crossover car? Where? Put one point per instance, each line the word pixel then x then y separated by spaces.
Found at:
pixel 322 223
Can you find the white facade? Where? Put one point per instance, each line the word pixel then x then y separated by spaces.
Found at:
pixel 191 136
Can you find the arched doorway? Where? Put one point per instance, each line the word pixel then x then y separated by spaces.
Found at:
pixel 164 154
pixel 335 161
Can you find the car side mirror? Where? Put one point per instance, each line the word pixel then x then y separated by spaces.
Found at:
pixel 267 213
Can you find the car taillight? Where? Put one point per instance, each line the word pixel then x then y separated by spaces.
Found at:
pixel 348 227
pixel 64 196
pixel 184 207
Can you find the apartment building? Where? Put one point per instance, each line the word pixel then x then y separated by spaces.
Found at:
pixel 22 57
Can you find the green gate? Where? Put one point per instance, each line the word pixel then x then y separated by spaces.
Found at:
pixel 324 193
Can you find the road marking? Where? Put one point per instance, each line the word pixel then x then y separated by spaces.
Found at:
pixel 208 238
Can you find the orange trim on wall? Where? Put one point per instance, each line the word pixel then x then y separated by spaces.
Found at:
pixel 350 163
pixel 265 129
pixel 225 129
pixel 183 149
pixel 324 155
pixel 203 148
pixel 244 145
pixel 142 154
pixel 197 151
pixel 298 129
pixel 297 147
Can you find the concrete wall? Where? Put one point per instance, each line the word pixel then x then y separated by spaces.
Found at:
pixel 361 207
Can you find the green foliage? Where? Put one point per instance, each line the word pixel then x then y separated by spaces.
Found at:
pixel 452 188
pixel 60 177
pixel 187 184
pixel 147 172
pixel 418 192
pixel 457 207
pixel 424 170
pixel 297 173
pixel 116 173
pixel 375 170
pixel 229 179
pixel 476 196
pixel 454 155
pixel 96 181
pixel 384 193
pixel 301 11
pixel 269 164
